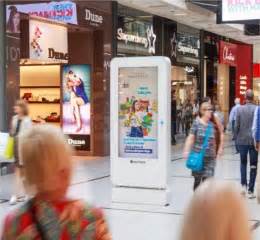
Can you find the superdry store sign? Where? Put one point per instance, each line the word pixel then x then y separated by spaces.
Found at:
pixel 227 53
pixel 63 11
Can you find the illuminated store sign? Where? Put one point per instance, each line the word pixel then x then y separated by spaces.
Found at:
pixel 93 18
pixel 228 53
pixel 187 49
pixel 148 41
pixel 240 10
pixel 64 11
pixel 48 42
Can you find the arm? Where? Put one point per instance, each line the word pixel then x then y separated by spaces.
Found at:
pixel 254 128
pixel 237 124
pixel 188 145
pixel 231 115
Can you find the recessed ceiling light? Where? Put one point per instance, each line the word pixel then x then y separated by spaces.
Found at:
pixel 179 14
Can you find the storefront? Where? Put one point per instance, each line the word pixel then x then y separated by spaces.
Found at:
pixel 256 81
pixel 185 69
pixel 58 56
pixel 226 70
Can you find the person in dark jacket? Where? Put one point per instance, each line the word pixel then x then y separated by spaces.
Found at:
pixel 245 142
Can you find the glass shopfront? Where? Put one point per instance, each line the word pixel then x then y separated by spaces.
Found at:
pixel 61 69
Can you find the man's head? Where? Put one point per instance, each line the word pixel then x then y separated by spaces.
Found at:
pixel 237 101
pixel 249 95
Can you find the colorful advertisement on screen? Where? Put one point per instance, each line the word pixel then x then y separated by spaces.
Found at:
pixel 76 82
pixel 242 10
pixel 138 112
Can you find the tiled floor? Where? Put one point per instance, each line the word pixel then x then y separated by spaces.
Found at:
pixel 140 222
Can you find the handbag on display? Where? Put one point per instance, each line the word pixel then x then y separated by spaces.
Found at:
pixel 195 161
pixel 9 150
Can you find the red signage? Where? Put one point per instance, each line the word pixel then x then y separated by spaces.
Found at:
pixel 257 70
pixel 244 70
pixel 228 53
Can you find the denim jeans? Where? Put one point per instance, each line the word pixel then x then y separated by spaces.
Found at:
pixel 253 155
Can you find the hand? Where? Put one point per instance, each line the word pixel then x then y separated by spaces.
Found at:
pixel 220 152
pixel 102 232
pixel 257 146
pixel 185 155
pixel 73 211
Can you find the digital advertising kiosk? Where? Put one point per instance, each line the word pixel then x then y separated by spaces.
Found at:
pixel 140 129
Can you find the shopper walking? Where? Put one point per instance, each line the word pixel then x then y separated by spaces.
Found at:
pixel 50 214
pixel 216 212
pixel 232 120
pixel 20 122
pixel 188 110
pixel 245 141
pixel 195 142
pixel 173 120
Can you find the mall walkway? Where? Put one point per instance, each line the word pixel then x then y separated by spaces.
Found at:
pixel 139 222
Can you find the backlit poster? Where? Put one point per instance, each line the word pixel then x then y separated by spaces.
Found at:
pixel 76 82
pixel 138 112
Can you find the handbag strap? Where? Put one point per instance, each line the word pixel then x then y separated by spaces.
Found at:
pixel 206 138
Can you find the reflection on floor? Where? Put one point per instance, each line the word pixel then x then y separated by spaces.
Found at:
pixel 140 222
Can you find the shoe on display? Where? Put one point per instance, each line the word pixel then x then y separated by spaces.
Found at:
pixel 251 195
pixel 13 200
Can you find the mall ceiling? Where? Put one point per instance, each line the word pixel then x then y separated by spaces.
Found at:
pixel 196 13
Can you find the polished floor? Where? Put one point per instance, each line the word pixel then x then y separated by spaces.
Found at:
pixel 140 222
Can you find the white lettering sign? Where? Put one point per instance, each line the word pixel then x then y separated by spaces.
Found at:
pixel 131 38
pixel 187 49
pixel 227 54
pixel 76 142
pixel 92 17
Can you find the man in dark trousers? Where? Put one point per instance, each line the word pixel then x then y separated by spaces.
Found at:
pixel 245 142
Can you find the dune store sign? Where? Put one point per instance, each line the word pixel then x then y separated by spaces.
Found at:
pixel 48 42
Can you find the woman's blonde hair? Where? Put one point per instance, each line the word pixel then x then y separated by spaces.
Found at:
pixel 23 105
pixel 216 212
pixel 44 152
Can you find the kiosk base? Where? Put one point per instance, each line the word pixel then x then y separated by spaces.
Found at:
pixel 141 196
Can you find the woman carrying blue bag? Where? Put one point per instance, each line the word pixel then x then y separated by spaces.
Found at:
pixel 200 146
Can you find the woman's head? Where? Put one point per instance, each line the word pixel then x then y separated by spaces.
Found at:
pixel 216 212
pixel 206 110
pixel 135 106
pixel 21 108
pixel 13 24
pixel 47 160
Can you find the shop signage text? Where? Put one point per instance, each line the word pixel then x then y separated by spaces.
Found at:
pixel 243 84
pixel 187 50
pixel 228 52
pixel 64 11
pixel 58 55
pixel 93 18
pixel 131 38
pixel 148 41
pixel 48 42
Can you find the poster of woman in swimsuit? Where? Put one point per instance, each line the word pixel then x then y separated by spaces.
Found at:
pixel 76 99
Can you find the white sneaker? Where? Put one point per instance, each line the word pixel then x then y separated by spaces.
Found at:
pixel 13 200
pixel 243 191
pixel 251 195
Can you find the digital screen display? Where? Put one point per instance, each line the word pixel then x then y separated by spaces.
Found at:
pixel 242 10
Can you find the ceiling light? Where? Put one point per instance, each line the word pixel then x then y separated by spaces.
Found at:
pixel 179 14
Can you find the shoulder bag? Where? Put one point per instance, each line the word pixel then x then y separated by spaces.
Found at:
pixel 195 160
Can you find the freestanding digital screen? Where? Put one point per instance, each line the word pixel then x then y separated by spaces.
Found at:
pixel 138 112
pixel 242 10
pixel 76 106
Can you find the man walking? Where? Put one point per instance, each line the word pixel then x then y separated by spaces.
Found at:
pixel 232 120
pixel 245 141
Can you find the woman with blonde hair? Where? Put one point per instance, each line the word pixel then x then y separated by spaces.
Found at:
pixel 217 211
pixel 47 159
pixel 20 122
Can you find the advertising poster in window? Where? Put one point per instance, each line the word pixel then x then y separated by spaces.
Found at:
pixel 138 112
pixel 76 81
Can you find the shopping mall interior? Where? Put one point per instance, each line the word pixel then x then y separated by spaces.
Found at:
pixel 72 65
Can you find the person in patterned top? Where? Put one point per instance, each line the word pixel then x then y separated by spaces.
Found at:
pixel 50 214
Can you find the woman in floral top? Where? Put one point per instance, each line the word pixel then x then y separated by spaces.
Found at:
pixel 195 141
pixel 50 214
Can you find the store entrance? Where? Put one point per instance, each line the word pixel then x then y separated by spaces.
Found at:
pixel 183 101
